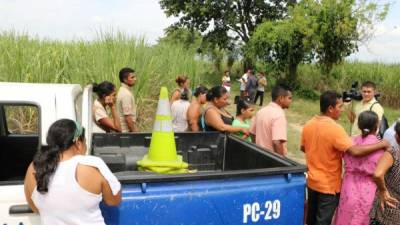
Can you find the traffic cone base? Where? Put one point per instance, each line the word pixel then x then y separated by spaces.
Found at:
pixel 177 166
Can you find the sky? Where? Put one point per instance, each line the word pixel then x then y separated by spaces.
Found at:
pixel 81 19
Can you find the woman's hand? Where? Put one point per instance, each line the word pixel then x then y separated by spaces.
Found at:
pixel 386 198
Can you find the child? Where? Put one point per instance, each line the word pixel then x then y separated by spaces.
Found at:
pixel 358 187
pixel 244 113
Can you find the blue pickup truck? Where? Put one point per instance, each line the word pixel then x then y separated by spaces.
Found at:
pixel 235 182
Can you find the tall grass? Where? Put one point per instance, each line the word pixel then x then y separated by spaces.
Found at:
pixel 27 59
pixel 386 76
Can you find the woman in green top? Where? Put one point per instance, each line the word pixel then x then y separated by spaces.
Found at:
pixel 244 113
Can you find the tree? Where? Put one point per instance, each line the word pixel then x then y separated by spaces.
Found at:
pixel 326 31
pixel 341 26
pixel 225 22
pixel 188 38
pixel 287 43
pixel 192 39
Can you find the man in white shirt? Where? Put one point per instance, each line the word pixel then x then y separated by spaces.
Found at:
pixel 368 102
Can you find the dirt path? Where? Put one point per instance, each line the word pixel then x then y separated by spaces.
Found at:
pixel 297 127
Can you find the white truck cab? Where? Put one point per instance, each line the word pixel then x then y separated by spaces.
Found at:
pixel 26 112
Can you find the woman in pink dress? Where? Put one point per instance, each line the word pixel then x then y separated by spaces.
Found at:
pixel 358 187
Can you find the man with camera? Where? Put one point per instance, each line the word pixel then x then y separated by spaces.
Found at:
pixel 368 102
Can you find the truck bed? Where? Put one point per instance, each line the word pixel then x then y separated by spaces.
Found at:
pixel 236 182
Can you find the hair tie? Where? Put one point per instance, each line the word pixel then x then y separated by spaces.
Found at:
pixel 366 130
pixel 78 131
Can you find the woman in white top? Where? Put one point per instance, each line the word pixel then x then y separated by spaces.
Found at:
pixel 179 110
pixel 63 185
pixel 102 122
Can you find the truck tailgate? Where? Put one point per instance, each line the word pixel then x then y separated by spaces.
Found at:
pixel 275 199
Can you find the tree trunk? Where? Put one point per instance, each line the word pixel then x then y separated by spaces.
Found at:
pixel 247 63
pixel 292 76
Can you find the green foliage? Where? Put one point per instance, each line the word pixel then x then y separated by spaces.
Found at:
pixel 218 18
pixel 181 36
pixel 386 76
pixel 326 31
pixel 336 32
pixel 226 24
pixel 286 43
pixel 341 25
pixel 307 93
pixel 26 59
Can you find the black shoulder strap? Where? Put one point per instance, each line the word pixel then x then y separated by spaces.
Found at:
pixel 376 102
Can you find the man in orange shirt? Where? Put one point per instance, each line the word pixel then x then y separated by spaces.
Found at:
pixel 324 141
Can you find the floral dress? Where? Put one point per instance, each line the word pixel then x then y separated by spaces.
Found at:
pixel 358 187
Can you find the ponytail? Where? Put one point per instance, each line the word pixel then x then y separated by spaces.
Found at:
pixel 241 104
pixel 181 79
pixel 367 123
pixel 103 89
pixel 95 87
pixel 365 132
pixel 216 92
pixel 61 136
pixel 45 164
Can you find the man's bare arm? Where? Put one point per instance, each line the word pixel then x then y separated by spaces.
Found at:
pixel 278 147
pixel 362 150
pixel 130 123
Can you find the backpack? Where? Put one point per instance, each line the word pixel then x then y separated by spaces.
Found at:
pixel 383 126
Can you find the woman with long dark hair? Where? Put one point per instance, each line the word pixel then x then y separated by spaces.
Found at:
pixel 66 186
pixel 102 122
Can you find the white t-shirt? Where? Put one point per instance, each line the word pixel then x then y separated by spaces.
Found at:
pixel 178 112
pixel 389 135
pixel 243 81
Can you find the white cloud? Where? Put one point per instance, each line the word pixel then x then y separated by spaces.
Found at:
pixel 383 47
pixel 68 19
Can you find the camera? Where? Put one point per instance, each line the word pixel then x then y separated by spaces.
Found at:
pixel 354 93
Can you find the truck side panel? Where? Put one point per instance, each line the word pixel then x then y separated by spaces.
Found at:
pixel 275 200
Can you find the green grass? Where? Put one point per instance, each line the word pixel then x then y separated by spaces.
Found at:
pixel 27 59
pixel 386 76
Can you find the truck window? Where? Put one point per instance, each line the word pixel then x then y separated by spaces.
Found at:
pixel 19 140
pixel 21 119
